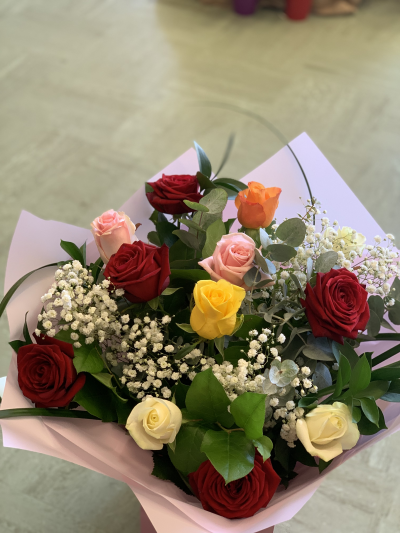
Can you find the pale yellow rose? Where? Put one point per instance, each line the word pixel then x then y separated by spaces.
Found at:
pixel 327 430
pixel 346 241
pixel 217 303
pixel 153 423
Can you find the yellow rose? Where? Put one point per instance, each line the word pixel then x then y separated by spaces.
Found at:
pixel 346 241
pixel 217 303
pixel 153 423
pixel 327 430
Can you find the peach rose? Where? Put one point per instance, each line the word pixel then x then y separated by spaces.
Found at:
pixel 257 205
pixel 111 230
pixel 232 258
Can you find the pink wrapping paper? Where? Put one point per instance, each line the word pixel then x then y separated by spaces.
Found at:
pixel 106 448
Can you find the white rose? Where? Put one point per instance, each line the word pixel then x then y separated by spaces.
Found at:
pixel 327 430
pixel 153 423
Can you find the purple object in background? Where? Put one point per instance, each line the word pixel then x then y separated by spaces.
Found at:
pixel 245 7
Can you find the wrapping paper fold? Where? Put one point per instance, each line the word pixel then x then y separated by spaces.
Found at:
pixel 106 448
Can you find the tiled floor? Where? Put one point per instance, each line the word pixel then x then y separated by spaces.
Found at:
pixel 97 95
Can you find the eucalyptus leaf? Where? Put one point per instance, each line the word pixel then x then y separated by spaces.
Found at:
pixel 262 262
pixel 281 252
pixel 187 238
pixel 377 305
pixel 196 207
pixel 374 324
pixel 252 277
pixel 204 162
pixel 265 239
pixel 192 225
pixel 292 231
pixel 215 200
pixel 326 261
pixel 214 234
pixel 322 377
pixel 394 313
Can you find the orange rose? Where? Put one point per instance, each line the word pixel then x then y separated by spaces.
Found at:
pixel 257 205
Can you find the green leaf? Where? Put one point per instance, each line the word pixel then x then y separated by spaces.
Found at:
pixel 377 305
pixel 186 327
pixel 265 239
pixel 231 454
pixel 87 358
pixel 193 275
pixel 228 224
pixel 154 303
pixel 187 456
pixel 248 410
pixel 187 238
pixel 38 411
pixel 83 252
pixel 349 353
pixel 96 268
pixel 376 389
pixel 322 465
pixel 216 201
pixel 17 284
pixel 204 162
pixel 148 188
pixel 180 394
pixel 73 251
pixel 16 345
pixel 97 400
pixel 170 290
pixel 180 252
pixel 366 427
pixel 393 393
pixel 196 207
pixel 325 262
pixel 344 375
pixel 192 225
pixel 292 231
pixel 263 263
pixel 308 402
pixel 386 373
pixel 184 351
pixel 395 289
pixel 166 232
pixel 281 252
pixel 374 324
pixel 165 470
pixel 204 182
pixel 394 313
pixel 250 322
pixel 219 344
pixel 234 353
pixel 360 376
pixel 264 446
pixel 27 337
pixel 153 237
pixel 213 235
pixel 207 399
pixel 227 153
pixel 252 277
pixel 370 409
pixel 106 379
pixel 238 185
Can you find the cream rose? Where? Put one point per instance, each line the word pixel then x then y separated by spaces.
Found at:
pixel 327 430
pixel 153 423
pixel 346 241
pixel 110 231
pixel 233 257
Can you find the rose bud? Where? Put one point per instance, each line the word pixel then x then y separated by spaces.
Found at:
pixel 217 303
pixel 257 205
pixel 46 373
pixel 233 257
pixel 238 499
pixel 337 306
pixel 153 423
pixel 142 270
pixel 327 430
pixel 170 191
pixel 110 231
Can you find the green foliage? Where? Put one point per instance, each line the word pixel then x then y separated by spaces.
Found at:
pixel 153 304
pixel 207 400
pixel 370 410
pixel 264 446
pixel 73 251
pixel 231 454
pixel 96 268
pixel 281 252
pixel 360 376
pixel 87 358
pixel 97 400
pixel 180 252
pixel 214 234
pixel 250 322
pixel 325 262
pixel 343 376
pixel 153 237
pixel 185 350
pixel 204 162
pixel 376 389
pixel 366 427
pixel 186 327
pixel 196 207
pixel 374 324
pixel 349 352
pixel 394 313
pixel 192 275
pixel 188 456
pixel 166 233
pixel 393 392
pixel 39 411
pixel 234 352
pixel 248 410
pixel 164 469
pixel 187 238
pixel 216 201
pixel 16 345
pixel 106 379
pixel 292 231
pixel 27 337
pixel 322 465
pixel 180 391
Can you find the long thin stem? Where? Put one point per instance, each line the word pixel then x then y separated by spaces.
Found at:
pixel 35 411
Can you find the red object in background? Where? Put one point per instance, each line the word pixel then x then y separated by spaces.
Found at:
pixel 298 9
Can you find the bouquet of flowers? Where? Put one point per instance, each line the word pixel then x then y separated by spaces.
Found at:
pixel 231 349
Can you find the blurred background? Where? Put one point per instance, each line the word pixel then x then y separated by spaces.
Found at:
pixel 96 96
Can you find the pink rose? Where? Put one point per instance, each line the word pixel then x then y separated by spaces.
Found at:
pixel 232 258
pixel 111 230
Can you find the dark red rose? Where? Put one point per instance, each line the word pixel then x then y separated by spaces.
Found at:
pixel 337 306
pixel 46 373
pixel 239 499
pixel 170 191
pixel 142 270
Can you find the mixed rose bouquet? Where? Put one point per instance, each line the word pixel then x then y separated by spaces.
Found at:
pixel 228 348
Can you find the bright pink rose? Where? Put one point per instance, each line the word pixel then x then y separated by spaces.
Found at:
pixel 232 258
pixel 111 230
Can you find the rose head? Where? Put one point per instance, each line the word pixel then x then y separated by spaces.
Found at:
pixel 239 499
pixel 142 270
pixel 110 231
pixel 217 303
pixel 257 205
pixel 46 373
pixel 337 306
pixel 170 191
pixel 232 258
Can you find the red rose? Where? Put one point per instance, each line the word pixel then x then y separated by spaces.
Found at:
pixel 142 270
pixel 46 373
pixel 239 499
pixel 337 306
pixel 170 191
